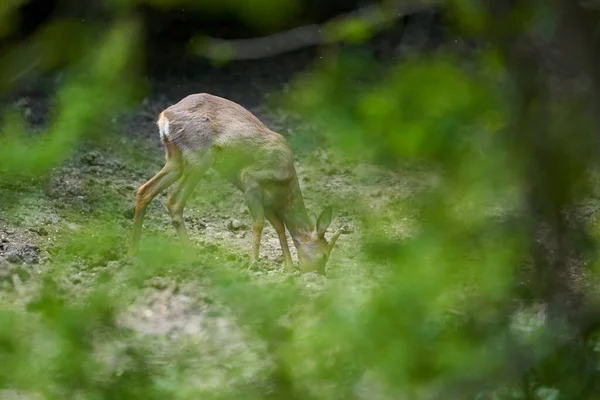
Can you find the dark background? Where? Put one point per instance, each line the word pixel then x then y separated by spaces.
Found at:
pixel 167 31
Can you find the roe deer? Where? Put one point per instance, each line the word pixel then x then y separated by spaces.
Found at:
pixel 203 131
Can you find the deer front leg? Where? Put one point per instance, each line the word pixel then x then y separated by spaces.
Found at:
pixel 257 228
pixel 170 173
pixel 176 203
pixel 279 227
pixel 185 187
pixel 253 196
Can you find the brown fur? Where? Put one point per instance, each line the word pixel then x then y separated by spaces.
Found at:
pixel 206 131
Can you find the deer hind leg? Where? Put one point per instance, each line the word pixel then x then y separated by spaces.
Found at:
pixel 170 173
pixel 279 227
pixel 254 200
pixel 175 203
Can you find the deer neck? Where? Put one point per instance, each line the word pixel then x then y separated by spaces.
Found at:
pixel 296 217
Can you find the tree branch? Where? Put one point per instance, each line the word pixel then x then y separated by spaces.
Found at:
pixel 374 17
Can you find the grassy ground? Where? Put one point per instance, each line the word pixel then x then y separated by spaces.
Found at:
pixel 200 325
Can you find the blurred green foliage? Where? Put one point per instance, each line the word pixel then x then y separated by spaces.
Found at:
pixel 438 314
pixel 87 102
pixel 263 14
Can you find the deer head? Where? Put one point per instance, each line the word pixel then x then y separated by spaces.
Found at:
pixel 313 248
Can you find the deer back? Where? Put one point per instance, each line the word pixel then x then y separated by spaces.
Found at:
pixel 203 122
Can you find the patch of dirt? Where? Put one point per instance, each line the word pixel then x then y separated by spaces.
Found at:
pixel 171 313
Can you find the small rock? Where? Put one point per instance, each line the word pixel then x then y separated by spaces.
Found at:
pixel 323 156
pixel 39 230
pixel 129 213
pixel 77 279
pixel 51 219
pixel 346 229
pixel 22 253
pixel 161 283
pixel 72 226
pixel 235 225
pixel 93 158
pixel 200 224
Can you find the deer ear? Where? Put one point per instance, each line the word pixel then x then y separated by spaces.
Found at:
pixel 324 220
pixel 312 219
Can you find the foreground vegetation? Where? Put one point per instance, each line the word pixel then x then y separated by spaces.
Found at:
pixel 466 192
